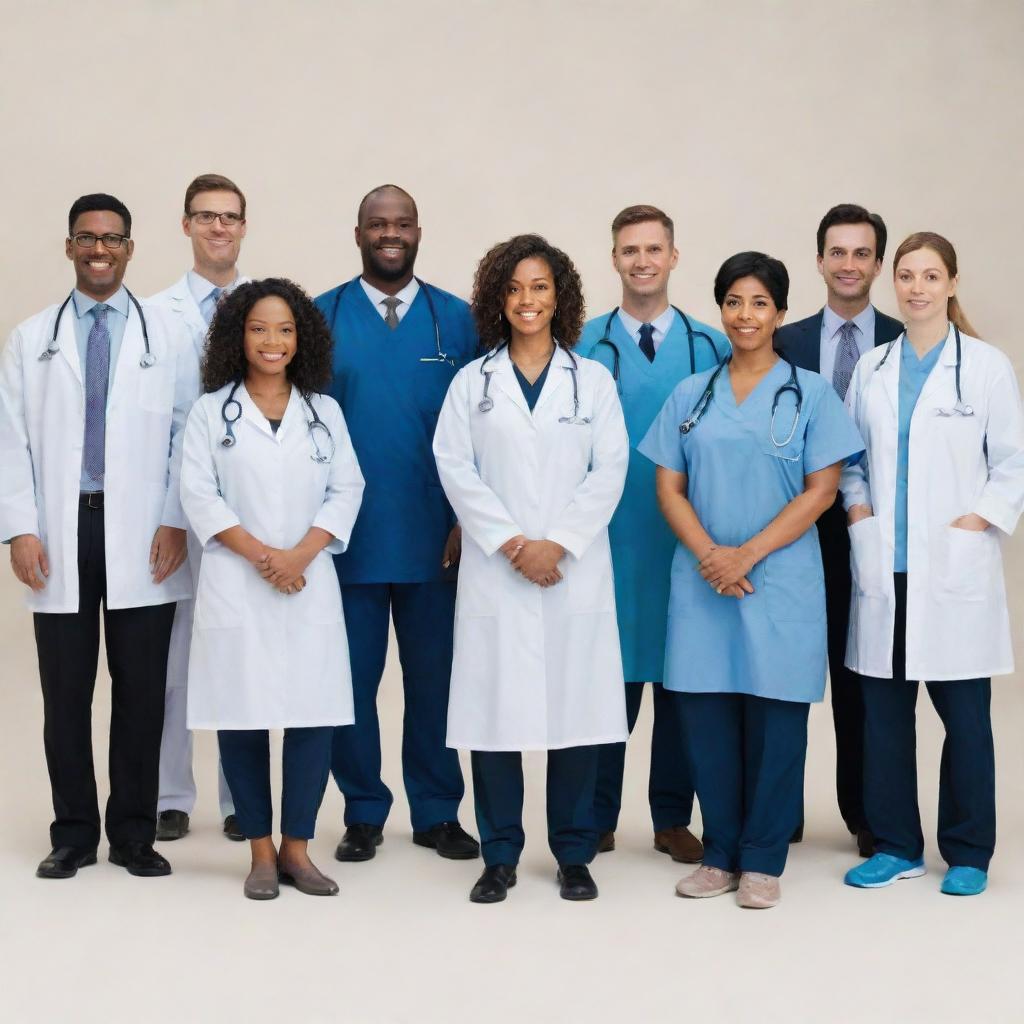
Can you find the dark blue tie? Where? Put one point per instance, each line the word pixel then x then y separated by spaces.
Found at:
pixel 647 341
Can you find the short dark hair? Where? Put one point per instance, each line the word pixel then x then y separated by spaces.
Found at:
pixel 490 286
pixel 384 188
pixel 769 271
pixel 99 201
pixel 851 213
pixel 641 215
pixel 211 183
pixel 224 359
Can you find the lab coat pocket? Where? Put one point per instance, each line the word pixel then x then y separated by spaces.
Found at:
pixel 794 592
pixel 221 595
pixel 589 579
pixel 866 566
pixel 968 565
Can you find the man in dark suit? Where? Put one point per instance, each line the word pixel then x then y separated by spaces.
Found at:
pixel 851 246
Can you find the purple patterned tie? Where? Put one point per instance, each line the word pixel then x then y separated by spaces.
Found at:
pixel 97 374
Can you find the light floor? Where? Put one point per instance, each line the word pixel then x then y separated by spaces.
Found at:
pixel 402 944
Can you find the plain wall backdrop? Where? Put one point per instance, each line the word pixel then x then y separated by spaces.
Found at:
pixel 745 120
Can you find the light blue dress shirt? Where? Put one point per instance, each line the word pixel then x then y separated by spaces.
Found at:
pixel 661 326
pixel 202 291
pixel 863 332
pixel 84 320
pixel 913 373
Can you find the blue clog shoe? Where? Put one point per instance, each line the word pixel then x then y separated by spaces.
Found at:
pixel 883 869
pixel 964 882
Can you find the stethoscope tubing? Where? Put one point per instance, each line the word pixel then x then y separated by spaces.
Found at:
pixel 960 407
pixel 147 358
pixel 486 403
pixel 229 440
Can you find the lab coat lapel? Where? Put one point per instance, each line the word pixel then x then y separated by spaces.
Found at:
pixel 890 374
pixel 251 412
pixel 183 302
pixel 66 340
pixel 132 349
pixel 943 372
pixel 504 380
pixel 559 378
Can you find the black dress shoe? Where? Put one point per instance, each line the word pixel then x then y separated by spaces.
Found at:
pixel 171 825
pixel 64 861
pixel 359 842
pixel 450 840
pixel 139 859
pixel 865 842
pixel 606 842
pixel 232 829
pixel 493 885
pixel 576 883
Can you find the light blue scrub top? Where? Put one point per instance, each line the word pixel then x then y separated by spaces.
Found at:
pixel 913 373
pixel 770 643
pixel 642 543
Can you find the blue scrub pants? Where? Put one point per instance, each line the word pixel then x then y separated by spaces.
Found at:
pixel 748 758
pixel 424 615
pixel 498 789
pixel 669 787
pixel 967 772
pixel 305 767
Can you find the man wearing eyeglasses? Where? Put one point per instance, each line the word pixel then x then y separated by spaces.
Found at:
pixel 94 392
pixel 214 221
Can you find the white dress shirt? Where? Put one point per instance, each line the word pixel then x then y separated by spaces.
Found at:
pixel 662 325
pixel 377 297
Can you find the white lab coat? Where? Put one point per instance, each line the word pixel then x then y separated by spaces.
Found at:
pixel 261 659
pixel 42 433
pixel 958 626
pixel 179 300
pixel 534 668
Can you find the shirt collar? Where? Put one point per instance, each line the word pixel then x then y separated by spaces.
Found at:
pixel 660 324
pixel 864 321
pixel 117 302
pixel 202 289
pixel 376 296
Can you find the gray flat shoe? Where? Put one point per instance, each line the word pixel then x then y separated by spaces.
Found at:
pixel 261 883
pixel 309 880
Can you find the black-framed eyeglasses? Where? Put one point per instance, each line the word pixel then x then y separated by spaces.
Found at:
pixel 86 240
pixel 228 220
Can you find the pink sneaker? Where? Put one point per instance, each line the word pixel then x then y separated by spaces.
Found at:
pixel 706 881
pixel 757 891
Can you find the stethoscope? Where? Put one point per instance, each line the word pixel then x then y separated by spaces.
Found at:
pixel 486 404
pixel 959 408
pixel 229 440
pixel 52 348
pixel 606 339
pixel 791 385
pixel 441 357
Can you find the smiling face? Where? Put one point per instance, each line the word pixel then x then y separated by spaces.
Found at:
pixel 644 256
pixel 270 337
pixel 923 286
pixel 850 263
pixel 530 298
pixel 750 316
pixel 99 271
pixel 215 247
pixel 388 235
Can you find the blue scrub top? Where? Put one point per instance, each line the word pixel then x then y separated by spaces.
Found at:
pixel 770 643
pixel 531 392
pixel 391 399
pixel 913 373
pixel 642 543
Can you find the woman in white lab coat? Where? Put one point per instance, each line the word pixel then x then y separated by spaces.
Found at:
pixel 941 487
pixel 271 488
pixel 531 449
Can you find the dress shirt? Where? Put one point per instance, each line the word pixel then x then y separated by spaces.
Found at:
pixel 662 325
pixel 377 297
pixel 863 333
pixel 202 291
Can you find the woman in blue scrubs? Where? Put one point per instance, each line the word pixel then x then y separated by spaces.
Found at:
pixel 748 456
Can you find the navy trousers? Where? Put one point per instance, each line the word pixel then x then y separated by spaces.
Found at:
pixel 424 616
pixel 498 789
pixel 967 772
pixel 747 755
pixel 305 767
pixel 669 787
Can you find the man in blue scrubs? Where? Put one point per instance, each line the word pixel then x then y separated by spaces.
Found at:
pixel 649 346
pixel 398 343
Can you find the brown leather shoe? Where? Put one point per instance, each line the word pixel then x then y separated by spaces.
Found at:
pixel 680 844
pixel 606 842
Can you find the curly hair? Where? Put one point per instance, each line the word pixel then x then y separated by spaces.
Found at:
pixel 490 288
pixel 224 359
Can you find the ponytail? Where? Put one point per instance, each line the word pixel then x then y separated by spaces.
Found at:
pixel 944 248
pixel 958 318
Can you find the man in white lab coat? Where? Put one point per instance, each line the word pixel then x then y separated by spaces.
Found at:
pixel 214 220
pixel 94 392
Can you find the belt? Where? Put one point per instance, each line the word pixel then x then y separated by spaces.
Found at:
pixel 91 500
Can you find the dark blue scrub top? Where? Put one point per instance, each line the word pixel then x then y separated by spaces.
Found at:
pixel 531 392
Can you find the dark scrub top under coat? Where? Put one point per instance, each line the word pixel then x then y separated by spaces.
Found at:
pixel 531 392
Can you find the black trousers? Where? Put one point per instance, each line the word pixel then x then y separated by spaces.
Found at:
pixel 68 646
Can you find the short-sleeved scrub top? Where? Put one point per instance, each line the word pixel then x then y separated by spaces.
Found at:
pixel 771 643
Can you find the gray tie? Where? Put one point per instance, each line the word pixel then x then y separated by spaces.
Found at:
pixel 847 355
pixel 391 316
pixel 97 375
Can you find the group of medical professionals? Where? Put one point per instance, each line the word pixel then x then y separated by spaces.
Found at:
pixel 253 485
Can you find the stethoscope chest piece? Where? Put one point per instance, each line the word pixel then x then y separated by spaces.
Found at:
pixel 486 404
pixel 147 360
pixel 228 441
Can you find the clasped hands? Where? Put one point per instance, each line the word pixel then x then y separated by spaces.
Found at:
pixel 725 569
pixel 283 568
pixel 536 560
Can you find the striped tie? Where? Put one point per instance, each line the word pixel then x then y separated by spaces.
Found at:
pixel 97 375
pixel 847 355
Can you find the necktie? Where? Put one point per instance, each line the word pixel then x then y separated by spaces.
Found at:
pixel 210 304
pixel 391 316
pixel 847 355
pixel 647 341
pixel 97 373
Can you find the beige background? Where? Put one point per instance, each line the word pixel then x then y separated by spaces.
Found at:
pixel 745 121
